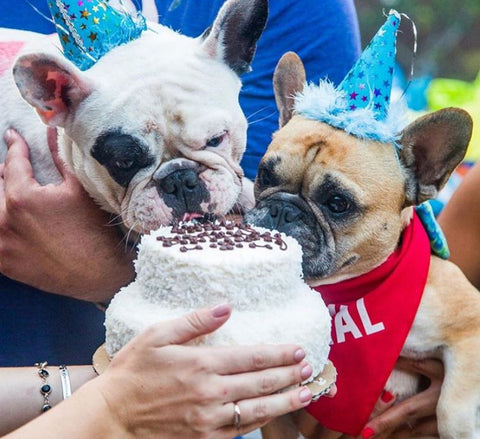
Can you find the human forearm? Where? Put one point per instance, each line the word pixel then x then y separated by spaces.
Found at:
pixel 96 277
pixel 20 397
pixel 84 415
pixel 160 387
pixel 460 221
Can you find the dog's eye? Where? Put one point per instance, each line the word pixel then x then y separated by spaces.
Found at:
pixel 124 164
pixel 337 204
pixel 215 141
pixel 122 155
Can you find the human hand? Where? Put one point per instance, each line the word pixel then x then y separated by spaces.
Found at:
pixel 414 416
pixel 156 388
pixel 55 237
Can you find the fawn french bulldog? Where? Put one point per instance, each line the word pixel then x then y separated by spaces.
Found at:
pixel 153 130
pixel 349 203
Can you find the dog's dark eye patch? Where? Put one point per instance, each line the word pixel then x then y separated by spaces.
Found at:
pixel 122 156
pixel 266 176
pixel 336 201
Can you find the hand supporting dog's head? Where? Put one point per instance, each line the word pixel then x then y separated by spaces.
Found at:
pixel 154 130
pixel 346 200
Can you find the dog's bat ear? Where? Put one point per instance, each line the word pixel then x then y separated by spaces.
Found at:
pixel 288 80
pixel 234 34
pixel 52 86
pixel 431 148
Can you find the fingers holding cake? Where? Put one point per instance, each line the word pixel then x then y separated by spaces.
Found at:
pixel 193 390
pixel 241 359
pixel 248 414
pixel 188 327
pixel 258 392
pixel 265 382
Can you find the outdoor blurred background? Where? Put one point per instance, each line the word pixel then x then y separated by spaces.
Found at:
pixel 447 63
pixel 448 34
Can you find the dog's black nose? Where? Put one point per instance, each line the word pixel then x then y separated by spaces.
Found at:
pixel 179 183
pixel 183 191
pixel 283 213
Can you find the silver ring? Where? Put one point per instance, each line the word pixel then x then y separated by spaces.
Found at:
pixel 236 416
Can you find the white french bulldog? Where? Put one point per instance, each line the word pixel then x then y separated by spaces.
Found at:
pixel 153 130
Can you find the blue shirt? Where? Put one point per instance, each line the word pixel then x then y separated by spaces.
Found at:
pixel 36 326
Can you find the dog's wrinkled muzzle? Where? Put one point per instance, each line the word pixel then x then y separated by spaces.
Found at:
pixel 282 212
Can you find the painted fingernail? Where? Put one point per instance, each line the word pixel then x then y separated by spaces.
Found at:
pixel 8 137
pixel 387 396
pixel 306 372
pixel 299 355
pixel 220 310
pixel 305 395
pixel 367 433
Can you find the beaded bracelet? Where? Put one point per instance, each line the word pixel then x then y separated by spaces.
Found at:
pixel 46 389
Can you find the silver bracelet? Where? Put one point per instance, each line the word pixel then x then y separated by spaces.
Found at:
pixel 65 379
pixel 46 389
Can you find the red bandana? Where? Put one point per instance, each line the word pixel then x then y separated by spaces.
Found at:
pixel 373 314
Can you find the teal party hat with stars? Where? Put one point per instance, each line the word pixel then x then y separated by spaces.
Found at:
pixel 360 105
pixel 369 82
pixel 88 29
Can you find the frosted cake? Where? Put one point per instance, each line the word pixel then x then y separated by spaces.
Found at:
pixel 257 271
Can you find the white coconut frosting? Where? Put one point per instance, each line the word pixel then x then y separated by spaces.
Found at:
pixel 257 271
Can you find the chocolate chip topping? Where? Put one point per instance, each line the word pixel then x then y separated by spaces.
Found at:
pixel 223 236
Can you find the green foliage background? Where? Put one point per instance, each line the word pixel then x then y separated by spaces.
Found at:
pixel 448 34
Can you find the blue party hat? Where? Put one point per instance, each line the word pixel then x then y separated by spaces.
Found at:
pixel 369 82
pixel 88 29
pixel 360 105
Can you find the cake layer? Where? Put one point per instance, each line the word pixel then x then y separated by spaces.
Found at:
pixel 302 320
pixel 195 266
